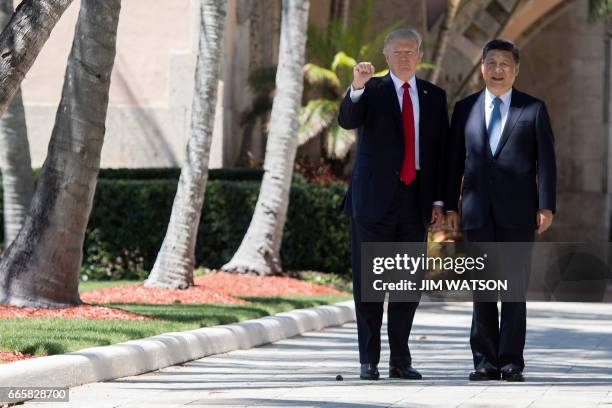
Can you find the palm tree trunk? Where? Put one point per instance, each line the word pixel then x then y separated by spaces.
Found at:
pixel 22 40
pixel 16 166
pixel 41 267
pixel 15 163
pixel 259 251
pixel 442 43
pixel 176 259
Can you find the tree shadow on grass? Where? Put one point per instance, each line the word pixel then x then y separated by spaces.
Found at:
pixel 44 348
pixel 205 314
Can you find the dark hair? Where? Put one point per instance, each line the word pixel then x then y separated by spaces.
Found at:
pixel 502 45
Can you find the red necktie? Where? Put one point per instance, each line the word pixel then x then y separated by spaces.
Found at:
pixel 408 172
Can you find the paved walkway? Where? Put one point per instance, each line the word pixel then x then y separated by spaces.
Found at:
pixel 569 364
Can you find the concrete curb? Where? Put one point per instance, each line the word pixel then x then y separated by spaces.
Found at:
pixel 152 353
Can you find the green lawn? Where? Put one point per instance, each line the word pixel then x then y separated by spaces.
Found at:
pixel 54 335
pixel 95 285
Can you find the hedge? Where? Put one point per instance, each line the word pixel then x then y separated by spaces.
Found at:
pixel 129 219
pixel 173 173
pixel 228 173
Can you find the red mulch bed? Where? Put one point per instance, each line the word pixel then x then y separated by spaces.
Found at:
pixel 250 285
pixel 12 356
pixel 139 294
pixel 215 288
pixel 220 287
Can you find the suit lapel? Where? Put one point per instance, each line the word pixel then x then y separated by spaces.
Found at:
pixel 476 127
pixel 392 102
pixel 514 113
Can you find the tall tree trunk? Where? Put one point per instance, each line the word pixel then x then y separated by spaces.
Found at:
pixel 22 40
pixel 41 267
pixel 176 259
pixel 16 166
pixel 344 17
pixel 259 251
pixel 15 163
pixel 442 43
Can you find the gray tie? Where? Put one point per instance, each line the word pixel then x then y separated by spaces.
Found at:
pixel 495 122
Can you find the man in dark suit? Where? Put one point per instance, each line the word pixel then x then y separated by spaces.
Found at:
pixel 502 145
pixel 402 124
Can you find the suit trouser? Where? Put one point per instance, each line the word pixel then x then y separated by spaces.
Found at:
pixel 498 345
pixel 402 222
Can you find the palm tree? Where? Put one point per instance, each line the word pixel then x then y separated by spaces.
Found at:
pixel 41 267
pixel 15 163
pixel 259 251
pixel 176 259
pixel 22 40
pixel 443 36
pixel 332 53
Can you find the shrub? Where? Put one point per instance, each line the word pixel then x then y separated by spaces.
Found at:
pixel 129 220
pixel 173 173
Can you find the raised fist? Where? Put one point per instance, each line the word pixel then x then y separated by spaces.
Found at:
pixel 362 72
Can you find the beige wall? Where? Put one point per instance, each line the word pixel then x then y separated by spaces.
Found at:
pixel 146 37
pixel 146 121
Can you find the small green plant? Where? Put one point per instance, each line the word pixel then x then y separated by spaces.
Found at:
pixel 342 283
pixel 600 10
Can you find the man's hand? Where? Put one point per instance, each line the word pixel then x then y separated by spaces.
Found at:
pixel 437 216
pixel 543 219
pixel 362 73
pixel 452 220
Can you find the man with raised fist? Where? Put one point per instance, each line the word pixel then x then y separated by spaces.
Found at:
pixel 396 186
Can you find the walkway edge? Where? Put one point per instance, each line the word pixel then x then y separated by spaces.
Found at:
pixel 152 353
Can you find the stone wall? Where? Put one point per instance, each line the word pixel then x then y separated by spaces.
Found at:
pixel 564 65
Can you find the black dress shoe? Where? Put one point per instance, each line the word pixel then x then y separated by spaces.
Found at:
pixel 404 371
pixel 369 371
pixel 484 375
pixel 513 375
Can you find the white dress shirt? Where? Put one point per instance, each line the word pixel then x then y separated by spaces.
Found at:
pixel 504 107
pixel 416 111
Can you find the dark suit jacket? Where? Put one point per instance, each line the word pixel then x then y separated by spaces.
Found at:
pixel 380 151
pixel 517 180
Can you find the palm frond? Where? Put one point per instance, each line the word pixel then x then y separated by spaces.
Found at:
pixel 319 46
pixel 319 76
pixel 339 141
pixel 343 67
pixel 337 37
pixel 358 32
pixel 342 60
pixel 315 117
pixel 381 73
pixel 322 45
